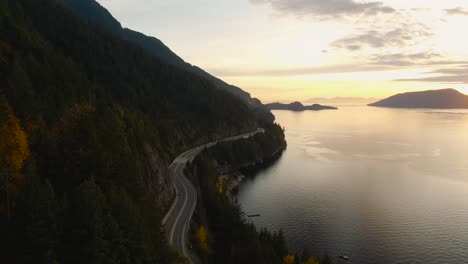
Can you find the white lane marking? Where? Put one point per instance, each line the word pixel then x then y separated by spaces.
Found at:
pixel 174 164
pixel 181 210
pixel 189 155
pixel 193 152
pixel 184 234
pixel 173 226
pixel 175 201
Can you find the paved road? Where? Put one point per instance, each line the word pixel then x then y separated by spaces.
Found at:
pixel 177 220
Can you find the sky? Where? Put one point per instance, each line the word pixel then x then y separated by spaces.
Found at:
pixel 287 50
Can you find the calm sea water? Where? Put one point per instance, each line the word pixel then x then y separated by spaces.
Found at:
pixel 378 185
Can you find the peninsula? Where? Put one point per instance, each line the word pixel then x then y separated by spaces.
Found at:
pixel 297 106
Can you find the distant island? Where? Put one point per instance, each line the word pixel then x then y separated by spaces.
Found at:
pixel 434 99
pixel 297 106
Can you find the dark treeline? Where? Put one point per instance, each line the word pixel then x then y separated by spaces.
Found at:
pixel 81 112
pixel 228 237
pixel 250 151
pixel 220 232
pixel 92 11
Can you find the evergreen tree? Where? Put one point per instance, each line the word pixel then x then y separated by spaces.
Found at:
pixel 35 225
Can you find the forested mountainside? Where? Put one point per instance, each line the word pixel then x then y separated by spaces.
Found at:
pixel 219 229
pixel 89 123
pixel 95 13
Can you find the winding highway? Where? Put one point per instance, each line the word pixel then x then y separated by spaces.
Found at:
pixel 177 219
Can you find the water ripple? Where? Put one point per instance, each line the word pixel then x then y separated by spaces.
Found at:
pixel 368 188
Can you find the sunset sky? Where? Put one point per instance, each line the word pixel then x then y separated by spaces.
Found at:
pixel 281 50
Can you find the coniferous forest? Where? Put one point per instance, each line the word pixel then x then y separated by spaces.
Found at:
pixel 116 149
pixel 89 124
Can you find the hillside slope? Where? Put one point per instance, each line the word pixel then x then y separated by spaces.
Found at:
pixel 89 123
pixel 94 12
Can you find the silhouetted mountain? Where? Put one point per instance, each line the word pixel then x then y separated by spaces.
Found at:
pixel 297 106
pixel 436 99
pixel 154 46
pixel 97 14
pixel 94 12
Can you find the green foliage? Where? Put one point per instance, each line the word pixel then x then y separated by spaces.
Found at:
pixel 71 62
pixel 90 103
pixel 234 239
pixel 88 227
pixel 251 150
pixel 33 231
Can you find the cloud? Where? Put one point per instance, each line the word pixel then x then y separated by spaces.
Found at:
pixel 406 59
pixel 325 8
pixel 458 11
pixel 460 70
pixel 405 35
pixel 353 47
pixel 447 62
pixel 455 79
pixel 257 2
pixel 458 74
pixel 342 68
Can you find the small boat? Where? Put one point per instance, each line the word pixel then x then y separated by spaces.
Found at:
pixel 343 257
pixel 253 215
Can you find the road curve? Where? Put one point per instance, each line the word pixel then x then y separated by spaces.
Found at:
pixel 177 219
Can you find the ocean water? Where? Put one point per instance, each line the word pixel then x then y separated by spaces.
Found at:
pixel 378 185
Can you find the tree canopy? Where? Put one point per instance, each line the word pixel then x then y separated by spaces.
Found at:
pixel 14 146
pixel 92 121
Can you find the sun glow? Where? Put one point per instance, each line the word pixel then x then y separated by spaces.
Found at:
pixel 279 51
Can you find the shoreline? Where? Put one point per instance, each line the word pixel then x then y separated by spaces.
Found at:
pixel 232 179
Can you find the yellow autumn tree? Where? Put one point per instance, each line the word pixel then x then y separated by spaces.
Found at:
pixel 221 185
pixel 14 147
pixel 289 259
pixel 14 150
pixel 202 238
pixel 312 260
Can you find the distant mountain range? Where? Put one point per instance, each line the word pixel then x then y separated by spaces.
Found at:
pixel 342 100
pixel 434 99
pixel 297 106
pixel 97 14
